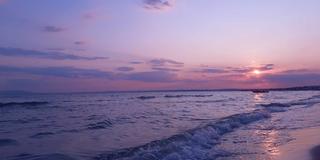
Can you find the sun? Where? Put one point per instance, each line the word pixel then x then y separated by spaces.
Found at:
pixel 256 72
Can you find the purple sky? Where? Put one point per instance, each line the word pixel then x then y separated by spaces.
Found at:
pixel 102 45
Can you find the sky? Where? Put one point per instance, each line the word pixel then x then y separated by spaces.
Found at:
pixel 113 45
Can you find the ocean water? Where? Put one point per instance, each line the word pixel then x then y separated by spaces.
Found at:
pixel 152 125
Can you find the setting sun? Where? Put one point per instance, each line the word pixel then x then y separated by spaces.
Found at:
pixel 159 79
pixel 256 72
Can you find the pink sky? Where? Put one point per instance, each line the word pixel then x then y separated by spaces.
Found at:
pixel 102 45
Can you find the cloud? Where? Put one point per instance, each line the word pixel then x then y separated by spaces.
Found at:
pixel 66 72
pixel 135 62
pixel 53 29
pixel 241 70
pixel 79 42
pixel 165 62
pixel 293 79
pixel 165 69
pixel 72 72
pixel 297 71
pixel 125 69
pixel 266 67
pixel 158 4
pixel 17 52
pixel 212 70
pixel 153 76
pixel 89 15
pixel 234 70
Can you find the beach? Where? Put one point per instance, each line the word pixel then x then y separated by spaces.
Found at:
pixel 303 141
pixel 286 135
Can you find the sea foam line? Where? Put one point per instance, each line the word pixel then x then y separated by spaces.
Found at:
pixel 191 144
pixel 195 144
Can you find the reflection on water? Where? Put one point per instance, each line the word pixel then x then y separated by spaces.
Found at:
pixel 258 97
pixel 270 144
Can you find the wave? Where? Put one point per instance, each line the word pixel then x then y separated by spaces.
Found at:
pixel 276 105
pixel 146 97
pixel 308 101
pixel 13 104
pixel 8 142
pixel 180 96
pixel 42 134
pixel 197 144
pixel 216 101
pixel 191 144
pixel 100 125
pixel 282 107
pixel 54 156
pixel 21 121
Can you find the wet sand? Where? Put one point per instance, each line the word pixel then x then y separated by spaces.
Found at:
pixel 299 148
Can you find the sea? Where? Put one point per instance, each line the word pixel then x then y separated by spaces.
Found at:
pixel 167 125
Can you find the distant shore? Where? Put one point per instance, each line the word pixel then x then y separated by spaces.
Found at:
pixel 301 88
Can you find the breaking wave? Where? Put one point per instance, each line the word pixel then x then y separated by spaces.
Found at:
pixel 191 144
pixel 282 107
pixel 197 143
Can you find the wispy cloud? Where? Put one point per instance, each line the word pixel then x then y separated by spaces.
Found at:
pixel 165 69
pixel 67 72
pixel 125 69
pixel 297 71
pixel 135 62
pixel 72 72
pixel 165 62
pixel 89 15
pixel 233 79
pixel 293 79
pixel 158 4
pixel 212 70
pixel 17 52
pixel 265 67
pixel 79 42
pixel 53 29
pixel 233 70
pixel 153 76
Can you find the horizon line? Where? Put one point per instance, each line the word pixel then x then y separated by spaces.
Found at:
pixel 295 88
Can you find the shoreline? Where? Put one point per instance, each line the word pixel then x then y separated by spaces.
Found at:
pixel 299 148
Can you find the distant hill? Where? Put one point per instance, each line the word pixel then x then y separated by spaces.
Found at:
pixel 302 88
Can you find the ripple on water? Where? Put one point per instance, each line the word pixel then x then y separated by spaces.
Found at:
pixel 8 142
pixel 54 156
pixel 42 134
pixel 100 125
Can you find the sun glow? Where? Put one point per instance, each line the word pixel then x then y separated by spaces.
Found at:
pixel 256 72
